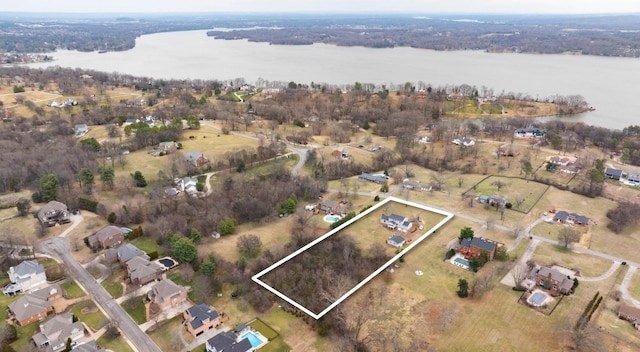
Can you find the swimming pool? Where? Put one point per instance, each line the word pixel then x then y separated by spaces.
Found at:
pixel 331 218
pixel 462 261
pixel 253 339
pixel 537 298
pixel 167 262
pixel 126 230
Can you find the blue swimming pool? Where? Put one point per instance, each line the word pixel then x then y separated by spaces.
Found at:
pixel 537 298
pixel 331 218
pixel 253 339
pixel 462 261
pixel 126 230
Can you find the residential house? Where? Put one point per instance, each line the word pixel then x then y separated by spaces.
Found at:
pixel 228 342
pixel 80 129
pixel 187 184
pixel 171 192
pixel 560 161
pixel 55 332
pixel 29 308
pixel 396 241
pixel 125 253
pixel 106 237
pixel 564 217
pixel 494 200
pixel 422 140
pixel 53 213
pixel 25 276
pixel 463 141
pixel 48 293
pixel 633 178
pixel 613 174
pixel 167 147
pixel 472 247
pixel 196 158
pixel 141 271
pixel 200 318
pixel 570 169
pixel 629 313
pixel 416 185
pixel 167 294
pixel 333 207
pixel 373 178
pixel 553 280
pixel 396 222
pixel 531 132
pixel 90 346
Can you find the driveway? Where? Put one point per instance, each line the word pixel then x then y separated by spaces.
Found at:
pixel 59 248
pixel 624 288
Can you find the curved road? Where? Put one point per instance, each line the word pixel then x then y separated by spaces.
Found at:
pixel 59 247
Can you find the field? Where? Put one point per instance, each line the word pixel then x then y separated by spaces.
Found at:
pixel 587 265
pixel 166 335
pixel 513 189
pixel 113 284
pixel 72 290
pixel 88 313
pixel 136 309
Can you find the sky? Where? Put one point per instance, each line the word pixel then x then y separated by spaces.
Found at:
pixel 337 6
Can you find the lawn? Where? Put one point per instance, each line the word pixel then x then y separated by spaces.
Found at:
pixel 264 329
pixel 512 189
pixel 166 336
pixel 148 245
pixel 136 309
pixel 634 285
pixel 92 316
pixel 113 284
pixel 118 344
pixel 72 290
pixel 24 336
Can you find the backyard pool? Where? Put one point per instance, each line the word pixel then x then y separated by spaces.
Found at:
pixel 253 339
pixel 167 263
pixel 538 298
pixel 331 218
pixel 126 230
pixel 462 262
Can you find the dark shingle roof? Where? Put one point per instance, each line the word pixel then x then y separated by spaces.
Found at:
pixel 479 242
pixel 200 313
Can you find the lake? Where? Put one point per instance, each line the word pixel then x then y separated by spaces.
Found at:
pixel 608 84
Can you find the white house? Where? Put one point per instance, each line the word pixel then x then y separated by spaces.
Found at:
pixel 396 241
pixel 25 276
pixel 464 141
pixel 187 184
pixel 395 221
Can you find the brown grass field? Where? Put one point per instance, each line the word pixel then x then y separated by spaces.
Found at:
pixel 587 265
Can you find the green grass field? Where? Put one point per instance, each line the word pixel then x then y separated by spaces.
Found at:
pixel 72 290
pixel 136 309
pixel 113 285
pixel 118 344
pixel 147 245
pixel 93 317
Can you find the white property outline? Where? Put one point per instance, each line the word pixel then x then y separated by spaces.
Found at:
pixel 256 277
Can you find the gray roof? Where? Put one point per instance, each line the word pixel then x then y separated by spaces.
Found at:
pixel 165 289
pixel 226 342
pixel 139 267
pixel 397 239
pixel 555 275
pixel 564 216
pixel 46 292
pixel 613 172
pixel 127 252
pixel 479 242
pixel 58 329
pixel 105 233
pixel 192 156
pixel 372 178
pixel 394 217
pixel 28 306
pixel 200 313
pixel 28 268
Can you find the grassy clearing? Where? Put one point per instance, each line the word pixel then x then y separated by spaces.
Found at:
pixel 25 333
pixel 587 265
pixel 294 335
pixel 634 286
pixel 118 344
pixel 72 290
pixel 136 309
pixel 264 329
pixel 166 336
pixel 147 245
pixel 113 285
pixel 175 275
pixel 92 316
pixel 513 188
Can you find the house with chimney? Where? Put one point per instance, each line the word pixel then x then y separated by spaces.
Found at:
pixel 552 280
pixel 396 222
pixel 106 237
pixel 167 294
pixel 34 306
pixel 24 277
pixel 141 271
pixel 201 317
pixel 55 332
pixel 125 253
pixel 472 247
pixel 195 158
pixel 54 213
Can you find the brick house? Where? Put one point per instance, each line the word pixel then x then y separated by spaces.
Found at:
pixel 54 213
pixel 141 271
pixel 631 314
pixel 125 253
pixel 167 294
pixel 472 247
pixel 553 281
pixel 54 333
pixel 196 158
pixel 106 237
pixel 333 207
pixel 201 317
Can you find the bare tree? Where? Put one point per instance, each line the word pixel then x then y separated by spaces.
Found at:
pixel 568 235
pixel 249 245
pixel 498 184
pixel 437 181
pixel 519 273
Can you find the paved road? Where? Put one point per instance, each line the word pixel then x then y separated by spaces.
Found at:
pixel 59 248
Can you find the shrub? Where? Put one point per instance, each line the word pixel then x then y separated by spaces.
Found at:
pixel 112 217
pixel 87 204
pixel 153 255
pixel 298 123
pixel 36 197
